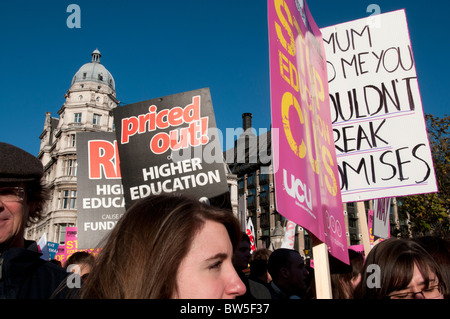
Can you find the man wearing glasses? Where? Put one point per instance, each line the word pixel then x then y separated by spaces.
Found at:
pixel 23 274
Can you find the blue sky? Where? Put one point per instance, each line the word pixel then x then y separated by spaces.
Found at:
pixel 156 48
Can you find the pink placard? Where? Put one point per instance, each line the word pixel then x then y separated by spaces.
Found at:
pixel 305 167
pixel 71 246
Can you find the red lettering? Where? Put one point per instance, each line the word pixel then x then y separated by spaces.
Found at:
pixel 192 111
pixel 160 143
pixel 103 157
pixel 160 123
pixel 181 142
pixel 176 116
pixel 145 119
pixel 159 120
pixel 129 128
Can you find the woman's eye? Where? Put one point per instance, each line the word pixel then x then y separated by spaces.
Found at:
pixel 216 265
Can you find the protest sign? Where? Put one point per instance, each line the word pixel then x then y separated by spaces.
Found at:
pixel 52 249
pixel 70 243
pixel 378 123
pixel 250 230
pixel 71 246
pixel 61 254
pixel 357 248
pixel 100 199
pixel 381 220
pixel 43 247
pixel 306 181
pixel 289 235
pixel 170 144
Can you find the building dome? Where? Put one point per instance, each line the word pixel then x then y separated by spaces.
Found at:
pixel 94 72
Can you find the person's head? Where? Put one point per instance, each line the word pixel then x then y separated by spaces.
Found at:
pixel 287 268
pixel 56 262
pixel 168 247
pixel 242 255
pixel 345 278
pixel 22 194
pixel 400 269
pixel 80 262
pixel 258 265
pixel 439 249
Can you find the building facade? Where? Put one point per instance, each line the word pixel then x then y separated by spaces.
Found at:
pixel 88 107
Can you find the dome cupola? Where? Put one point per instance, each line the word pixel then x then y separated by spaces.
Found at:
pixel 94 71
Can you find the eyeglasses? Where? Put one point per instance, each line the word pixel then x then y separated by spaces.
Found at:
pixel 427 293
pixel 12 194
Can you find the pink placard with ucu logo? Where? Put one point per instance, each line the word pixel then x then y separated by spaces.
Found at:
pixel 305 167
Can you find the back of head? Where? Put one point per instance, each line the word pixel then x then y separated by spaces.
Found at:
pixel 280 258
pixel 262 254
pixel 81 257
pixel 342 275
pixel 141 256
pixel 258 263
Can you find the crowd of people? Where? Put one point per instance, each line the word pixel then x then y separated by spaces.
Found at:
pixel 175 247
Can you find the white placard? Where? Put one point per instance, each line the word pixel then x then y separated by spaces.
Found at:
pixel 381 221
pixel 378 122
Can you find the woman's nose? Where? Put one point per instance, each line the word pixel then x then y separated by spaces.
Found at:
pixel 235 287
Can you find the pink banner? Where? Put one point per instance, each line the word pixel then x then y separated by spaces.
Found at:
pixel 70 246
pixel 61 254
pixel 306 171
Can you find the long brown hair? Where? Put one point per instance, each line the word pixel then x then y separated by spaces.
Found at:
pixel 143 252
pixel 396 259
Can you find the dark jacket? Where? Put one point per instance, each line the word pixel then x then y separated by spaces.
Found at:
pixel 24 275
pixel 276 292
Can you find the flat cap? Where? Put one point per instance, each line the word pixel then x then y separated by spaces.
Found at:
pixel 17 165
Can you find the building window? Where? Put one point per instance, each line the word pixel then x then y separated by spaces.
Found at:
pixel 97 119
pixel 61 232
pixel 71 141
pixel 68 199
pixel 264 196
pixel 70 167
pixel 263 178
pixel 250 180
pixel 84 75
pixel 77 118
pixel 251 198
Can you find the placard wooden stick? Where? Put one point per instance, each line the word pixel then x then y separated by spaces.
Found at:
pixel 321 270
pixel 363 227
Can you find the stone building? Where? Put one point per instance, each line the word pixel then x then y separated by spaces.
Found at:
pixel 88 107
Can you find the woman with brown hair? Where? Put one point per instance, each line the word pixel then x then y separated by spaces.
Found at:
pixel 345 278
pixel 168 246
pixel 400 269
